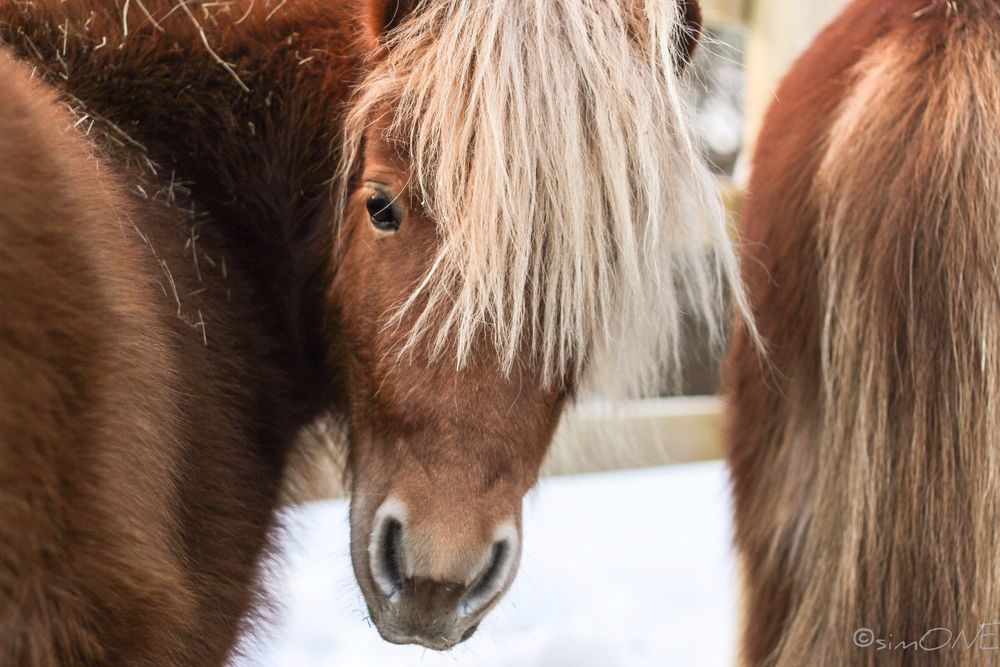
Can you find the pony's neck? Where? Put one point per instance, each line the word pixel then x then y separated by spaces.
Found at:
pixel 242 110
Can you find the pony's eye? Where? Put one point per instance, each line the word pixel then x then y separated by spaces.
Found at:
pixel 382 211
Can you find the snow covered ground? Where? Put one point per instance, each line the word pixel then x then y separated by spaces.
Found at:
pixel 623 569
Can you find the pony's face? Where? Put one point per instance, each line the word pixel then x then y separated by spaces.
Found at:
pixel 440 456
pixel 518 213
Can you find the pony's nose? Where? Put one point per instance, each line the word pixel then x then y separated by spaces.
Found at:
pixel 434 590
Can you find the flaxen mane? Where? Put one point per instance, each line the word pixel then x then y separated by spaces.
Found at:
pixel 553 145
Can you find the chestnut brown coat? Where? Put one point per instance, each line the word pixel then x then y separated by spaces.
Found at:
pixel 864 451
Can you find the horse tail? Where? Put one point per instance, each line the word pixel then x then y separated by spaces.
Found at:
pixel 898 552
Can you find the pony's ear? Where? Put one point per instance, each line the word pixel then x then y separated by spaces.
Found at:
pixel 381 16
pixel 690 32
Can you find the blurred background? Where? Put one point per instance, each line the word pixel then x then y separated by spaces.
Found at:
pixel 627 556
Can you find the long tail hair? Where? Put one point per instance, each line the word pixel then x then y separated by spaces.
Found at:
pixel 901 532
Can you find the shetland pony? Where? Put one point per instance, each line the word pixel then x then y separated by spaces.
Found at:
pixel 434 220
pixel 864 455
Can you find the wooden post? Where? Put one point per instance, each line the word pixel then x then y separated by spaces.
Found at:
pixel 778 31
pixel 723 11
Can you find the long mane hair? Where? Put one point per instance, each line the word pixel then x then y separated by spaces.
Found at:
pixel 552 144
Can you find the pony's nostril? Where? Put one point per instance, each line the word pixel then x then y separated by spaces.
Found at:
pixel 491 580
pixel 386 555
pixel 489 575
pixel 391 552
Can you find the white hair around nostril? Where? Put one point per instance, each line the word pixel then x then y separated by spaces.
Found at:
pixel 385 549
pixel 496 574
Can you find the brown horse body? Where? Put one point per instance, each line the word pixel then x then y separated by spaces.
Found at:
pixel 255 213
pixel 863 452
pixel 158 347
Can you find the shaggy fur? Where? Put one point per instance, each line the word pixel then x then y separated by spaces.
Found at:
pixel 866 469
pixel 162 257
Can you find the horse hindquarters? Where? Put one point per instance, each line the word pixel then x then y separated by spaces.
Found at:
pixel 865 467
pixel 87 571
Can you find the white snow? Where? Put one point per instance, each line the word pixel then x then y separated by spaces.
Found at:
pixel 623 569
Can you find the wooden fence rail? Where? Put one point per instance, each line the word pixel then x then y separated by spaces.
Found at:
pixel 594 437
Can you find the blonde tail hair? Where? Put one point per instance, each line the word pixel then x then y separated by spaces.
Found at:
pixel 900 533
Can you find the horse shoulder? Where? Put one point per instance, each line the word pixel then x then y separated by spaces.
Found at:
pixel 88 447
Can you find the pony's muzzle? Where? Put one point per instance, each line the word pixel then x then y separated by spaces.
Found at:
pixel 434 592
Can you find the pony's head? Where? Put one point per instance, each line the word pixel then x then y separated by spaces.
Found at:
pixel 523 211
